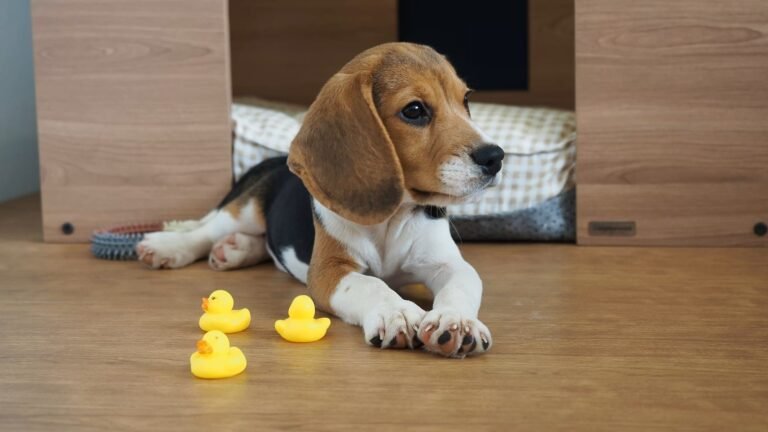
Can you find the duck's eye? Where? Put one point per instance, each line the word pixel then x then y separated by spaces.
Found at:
pixel 213 298
pixel 466 101
pixel 415 113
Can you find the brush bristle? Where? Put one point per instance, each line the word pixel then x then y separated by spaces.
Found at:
pixel 119 243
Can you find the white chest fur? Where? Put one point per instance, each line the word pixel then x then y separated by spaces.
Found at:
pixel 381 249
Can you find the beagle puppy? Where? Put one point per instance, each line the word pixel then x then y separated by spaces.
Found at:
pixel 358 206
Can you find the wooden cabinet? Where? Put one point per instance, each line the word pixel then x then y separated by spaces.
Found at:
pixel 133 111
pixel 671 99
pixel 133 96
pixel 672 109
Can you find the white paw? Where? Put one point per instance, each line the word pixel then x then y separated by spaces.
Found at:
pixel 447 332
pixel 166 250
pixel 232 251
pixel 394 325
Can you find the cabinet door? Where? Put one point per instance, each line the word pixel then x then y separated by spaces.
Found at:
pixel 672 107
pixel 133 111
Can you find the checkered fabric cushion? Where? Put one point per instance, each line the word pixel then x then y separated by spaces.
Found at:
pixel 262 129
pixel 540 147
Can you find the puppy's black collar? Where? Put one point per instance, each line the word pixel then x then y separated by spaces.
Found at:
pixel 435 212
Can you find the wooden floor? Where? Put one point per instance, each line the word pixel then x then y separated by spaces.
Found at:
pixel 585 339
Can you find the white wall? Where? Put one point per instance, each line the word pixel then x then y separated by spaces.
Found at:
pixel 19 173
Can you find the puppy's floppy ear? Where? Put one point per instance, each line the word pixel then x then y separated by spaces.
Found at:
pixel 344 155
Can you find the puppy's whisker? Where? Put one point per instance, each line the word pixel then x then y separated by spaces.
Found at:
pixel 456 230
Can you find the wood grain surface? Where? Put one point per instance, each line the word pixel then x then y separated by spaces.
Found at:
pixel 673 96
pixel 551 69
pixel 586 339
pixel 287 50
pixel 133 110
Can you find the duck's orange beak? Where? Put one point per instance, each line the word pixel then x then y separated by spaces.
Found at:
pixel 203 347
pixel 205 304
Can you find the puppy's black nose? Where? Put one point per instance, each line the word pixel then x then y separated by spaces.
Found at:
pixel 489 158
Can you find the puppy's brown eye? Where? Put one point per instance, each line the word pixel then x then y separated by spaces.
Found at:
pixel 415 113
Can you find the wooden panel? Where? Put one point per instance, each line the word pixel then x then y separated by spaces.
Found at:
pixel 585 339
pixel 133 105
pixel 287 50
pixel 551 58
pixel 679 215
pixel 672 103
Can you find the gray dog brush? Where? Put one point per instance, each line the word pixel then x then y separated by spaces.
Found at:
pixel 119 243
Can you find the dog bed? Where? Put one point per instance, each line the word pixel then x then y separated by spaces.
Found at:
pixel 533 202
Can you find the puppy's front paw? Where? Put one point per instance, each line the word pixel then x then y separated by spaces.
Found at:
pixel 394 325
pixel 165 250
pixel 447 332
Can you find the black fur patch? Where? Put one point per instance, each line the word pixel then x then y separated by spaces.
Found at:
pixel 256 182
pixel 286 203
pixel 434 212
pixel 288 209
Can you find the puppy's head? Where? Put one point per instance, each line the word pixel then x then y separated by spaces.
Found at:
pixel 392 126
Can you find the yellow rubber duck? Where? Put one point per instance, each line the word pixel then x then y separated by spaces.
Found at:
pixel 215 358
pixel 220 316
pixel 301 326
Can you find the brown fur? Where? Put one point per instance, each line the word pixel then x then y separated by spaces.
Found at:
pixel 329 263
pixel 421 151
pixel 340 157
pixel 235 207
pixel 357 157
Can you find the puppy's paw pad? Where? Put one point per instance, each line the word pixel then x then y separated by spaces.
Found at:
pixel 448 333
pixel 230 252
